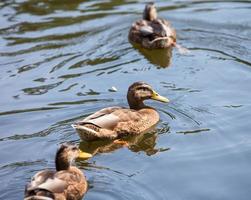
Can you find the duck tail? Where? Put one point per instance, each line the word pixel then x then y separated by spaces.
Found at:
pixel 82 128
pixel 181 49
pixel 38 194
pixel 87 131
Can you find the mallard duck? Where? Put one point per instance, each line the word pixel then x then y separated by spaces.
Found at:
pixel 152 32
pixel 66 183
pixel 117 122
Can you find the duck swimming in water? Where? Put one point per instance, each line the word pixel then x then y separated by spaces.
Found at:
pixel 117 122
pixel 152 32
pixel 66 183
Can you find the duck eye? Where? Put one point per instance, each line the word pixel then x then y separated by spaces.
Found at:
pixel 143 89
pixel 74 148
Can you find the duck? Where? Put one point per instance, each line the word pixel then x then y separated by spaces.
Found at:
pixel 67 182
pixel 152 32
pixel 117 122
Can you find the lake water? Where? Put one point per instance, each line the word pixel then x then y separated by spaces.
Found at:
pixel 58 61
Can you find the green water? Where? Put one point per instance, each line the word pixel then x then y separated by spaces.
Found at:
pixel 58 60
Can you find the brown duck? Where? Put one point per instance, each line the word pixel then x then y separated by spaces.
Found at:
pixel 66 183
pixel 152 32
pixel 116 122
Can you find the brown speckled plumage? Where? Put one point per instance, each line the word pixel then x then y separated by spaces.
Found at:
pixel 116 122
pixel 66 183
pixel 151 32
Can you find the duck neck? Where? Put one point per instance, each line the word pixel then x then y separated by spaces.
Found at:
pixel 136 105
pixel 149 15
pixel 62 163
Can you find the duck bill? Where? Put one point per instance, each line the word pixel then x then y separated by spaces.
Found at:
pixel 84 155
pixel 157 97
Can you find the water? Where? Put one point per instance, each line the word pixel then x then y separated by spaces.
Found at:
pixel 58 60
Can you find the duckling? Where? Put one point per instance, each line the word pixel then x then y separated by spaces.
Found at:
pixel 117 122
pixel 66 183
pixel 152 32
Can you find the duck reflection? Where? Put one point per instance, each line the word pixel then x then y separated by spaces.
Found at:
pixel 144 142
pixel 159 57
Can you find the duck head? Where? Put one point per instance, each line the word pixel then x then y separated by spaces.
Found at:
pixel 150 12
pixel 67 154
pixel 140 91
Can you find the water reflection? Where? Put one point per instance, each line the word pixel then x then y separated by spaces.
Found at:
pixel 59 57
pixel 194 131
pixel 41 89
pixel 144 142
pixel 109 183
pixel 159 57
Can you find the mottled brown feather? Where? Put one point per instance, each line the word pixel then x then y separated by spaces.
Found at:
pixel 161 30
pixel 117 122
pixel 68 184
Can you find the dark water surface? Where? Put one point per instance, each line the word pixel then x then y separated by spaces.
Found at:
pixel 58 60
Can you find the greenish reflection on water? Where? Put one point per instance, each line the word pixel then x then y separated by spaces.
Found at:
pixel 59 60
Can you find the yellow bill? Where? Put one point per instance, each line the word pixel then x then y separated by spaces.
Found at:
pixel 84 155
pixel 157 97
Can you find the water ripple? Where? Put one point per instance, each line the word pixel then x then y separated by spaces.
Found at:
pixel 58 60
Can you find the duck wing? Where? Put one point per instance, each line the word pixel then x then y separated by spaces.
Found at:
pixel 146 30
pixel 102 112
pixel 104 118
pixel 46 180
pixel 109 118
pixel 156 28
